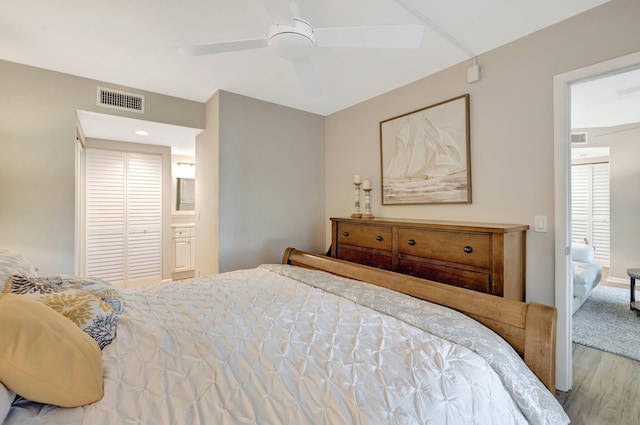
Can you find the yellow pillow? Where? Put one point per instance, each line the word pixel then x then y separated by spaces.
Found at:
pixel 45 357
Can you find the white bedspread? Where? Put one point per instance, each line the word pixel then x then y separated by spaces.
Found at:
pixel 262 347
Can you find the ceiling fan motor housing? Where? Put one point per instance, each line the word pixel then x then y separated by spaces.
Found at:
pixel 292 41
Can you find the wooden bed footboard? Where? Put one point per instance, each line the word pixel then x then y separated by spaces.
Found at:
pixel 530 328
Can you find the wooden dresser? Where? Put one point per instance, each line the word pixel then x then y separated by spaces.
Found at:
pixel 485 257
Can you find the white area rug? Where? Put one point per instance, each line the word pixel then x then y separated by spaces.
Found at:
pixel 605 322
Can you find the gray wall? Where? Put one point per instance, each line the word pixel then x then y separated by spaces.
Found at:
pixel 271 170
pixel 276 187
pixel 37 170
pixel 271 181
pixel 207 190
pixel 512 147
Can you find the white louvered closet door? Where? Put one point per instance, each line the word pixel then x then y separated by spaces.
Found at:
pixel 144 219
pixel 124 216
pixel 590 208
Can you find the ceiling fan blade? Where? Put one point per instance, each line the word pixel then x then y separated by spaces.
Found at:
pixel 280 11
pixel 308 76
pixel 227 46
pixel 379 37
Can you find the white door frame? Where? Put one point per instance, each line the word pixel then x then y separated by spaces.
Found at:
pixel 562 211
pixel 80 207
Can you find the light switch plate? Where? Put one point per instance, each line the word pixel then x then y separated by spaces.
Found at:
pixel 540 224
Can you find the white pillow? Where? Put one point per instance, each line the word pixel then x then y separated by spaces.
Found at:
pixel 6 398
pixel 14 263
pixel 582 252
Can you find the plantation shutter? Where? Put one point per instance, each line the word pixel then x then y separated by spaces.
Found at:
pixel 600 231
pixel 590 208
pixel 579 202
pixel 124 216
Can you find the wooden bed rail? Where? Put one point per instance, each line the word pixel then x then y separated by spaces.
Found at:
pixel 530 328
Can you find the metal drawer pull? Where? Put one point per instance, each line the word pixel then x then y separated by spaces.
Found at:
pixel 378 238
pixel 345 234
pixel 412 242
pixel 468 249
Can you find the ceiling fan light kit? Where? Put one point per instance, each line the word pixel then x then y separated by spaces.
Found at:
pixel 292 41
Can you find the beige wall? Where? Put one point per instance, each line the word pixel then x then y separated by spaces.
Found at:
pixel 271 181
pixel 512 149
pixel 625 201
pixel 37 168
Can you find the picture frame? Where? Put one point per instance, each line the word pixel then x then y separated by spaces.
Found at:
pixel 425 155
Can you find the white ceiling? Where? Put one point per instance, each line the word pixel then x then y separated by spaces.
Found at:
pixel 134 43
pixel 606 102
pixel 111 127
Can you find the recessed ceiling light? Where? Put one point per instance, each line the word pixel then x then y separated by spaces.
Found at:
pixel 142 133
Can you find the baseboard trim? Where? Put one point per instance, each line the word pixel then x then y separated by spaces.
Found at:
pixel 618 280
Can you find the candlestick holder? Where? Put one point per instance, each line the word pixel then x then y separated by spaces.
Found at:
pixel 357 213
pixel 367 203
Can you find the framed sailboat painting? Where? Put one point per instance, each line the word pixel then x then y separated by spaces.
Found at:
pixel 425 155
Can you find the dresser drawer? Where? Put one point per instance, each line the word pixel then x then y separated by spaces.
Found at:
pixel 460 248
pixel 484 257
pixel 365 236
pixel 476 281
pixel 368 257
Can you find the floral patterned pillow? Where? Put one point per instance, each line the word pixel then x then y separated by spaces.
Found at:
pixel 93 315
pixel 100 288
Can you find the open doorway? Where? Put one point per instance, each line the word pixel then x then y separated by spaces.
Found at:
pixel 605 137
pixel 563 128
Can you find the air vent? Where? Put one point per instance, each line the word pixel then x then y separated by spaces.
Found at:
pixel 578 138
pixel 116 99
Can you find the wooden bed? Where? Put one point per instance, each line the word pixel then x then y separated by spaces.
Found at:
pixel 530 328
pixel 280 344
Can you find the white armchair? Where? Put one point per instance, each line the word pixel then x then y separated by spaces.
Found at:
pixel 586 274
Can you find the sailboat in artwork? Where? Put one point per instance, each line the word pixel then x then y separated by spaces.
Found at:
pixel 423 151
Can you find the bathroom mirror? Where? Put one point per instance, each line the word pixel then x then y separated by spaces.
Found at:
pixel 186 194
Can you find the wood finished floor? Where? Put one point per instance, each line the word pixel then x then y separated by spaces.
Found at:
pixel 606 389
pixel 604 281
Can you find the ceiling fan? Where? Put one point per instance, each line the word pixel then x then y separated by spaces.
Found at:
pixel 293 38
